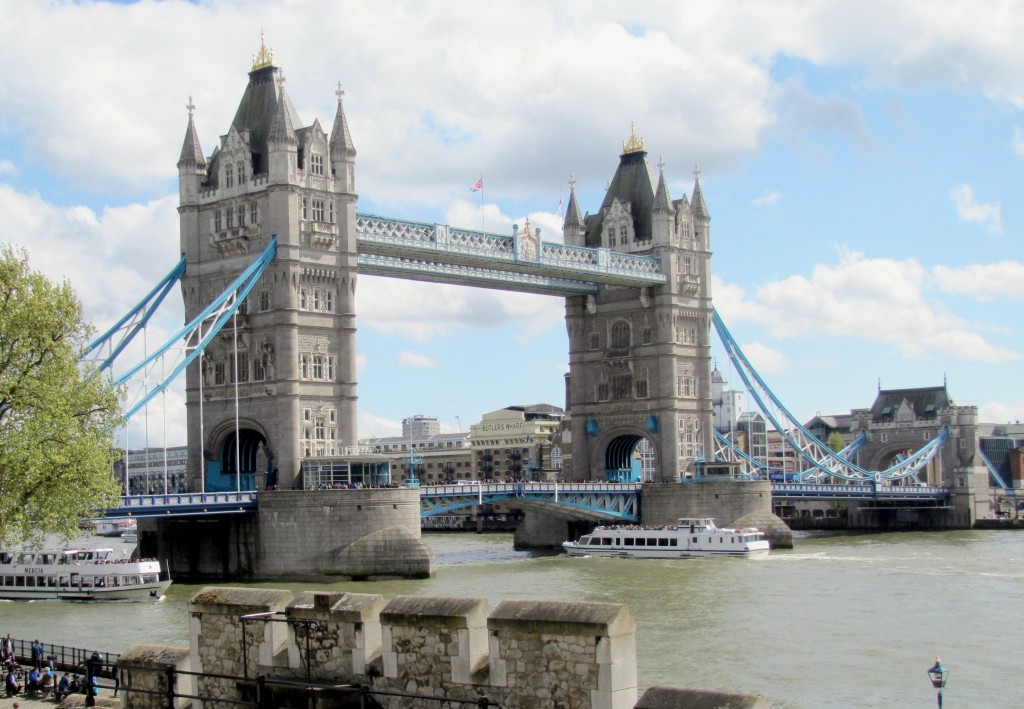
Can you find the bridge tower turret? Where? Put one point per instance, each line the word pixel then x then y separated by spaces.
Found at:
pixel 291 394
pixel 640 359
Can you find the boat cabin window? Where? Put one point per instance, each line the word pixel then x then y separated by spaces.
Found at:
pixel 150 578
pixel 674 542
pixel 606 541
pixel 663 542
pixel 585 540
pixel 629 541
pixel 695 540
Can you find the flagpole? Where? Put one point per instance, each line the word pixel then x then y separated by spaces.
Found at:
pixel 482 218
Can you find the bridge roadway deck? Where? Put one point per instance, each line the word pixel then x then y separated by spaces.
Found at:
pixel 599 501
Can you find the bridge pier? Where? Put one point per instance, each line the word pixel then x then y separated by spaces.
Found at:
pixel 297 535
pixel 730 503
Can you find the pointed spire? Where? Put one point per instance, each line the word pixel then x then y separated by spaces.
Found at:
pixel 697 205
pixel 573 218
pixel 341 139
pixel 662 200
pixel 281 129
pixel 191 153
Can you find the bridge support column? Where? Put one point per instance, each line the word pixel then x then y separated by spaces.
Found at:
pixel 542 531
pixel 735 503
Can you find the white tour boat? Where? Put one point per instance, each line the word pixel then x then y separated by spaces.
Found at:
pixel 79 575
pixel 689 537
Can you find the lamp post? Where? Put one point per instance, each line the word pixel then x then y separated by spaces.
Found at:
pixel 938 674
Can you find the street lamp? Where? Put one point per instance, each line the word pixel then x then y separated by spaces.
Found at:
pixel 938 674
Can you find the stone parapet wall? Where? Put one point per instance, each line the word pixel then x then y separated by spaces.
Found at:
pixel 522 653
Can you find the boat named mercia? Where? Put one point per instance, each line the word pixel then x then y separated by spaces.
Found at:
pixel 79 575
pixel 689 537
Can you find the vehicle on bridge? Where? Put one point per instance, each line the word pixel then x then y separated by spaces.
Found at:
pixel 689 537
pixel 79 575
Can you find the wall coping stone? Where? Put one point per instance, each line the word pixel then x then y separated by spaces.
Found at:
pixel 238 601
pixel 339 606
pixel 566 617
pixel 440 610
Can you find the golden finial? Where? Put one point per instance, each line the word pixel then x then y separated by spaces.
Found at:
pixel 263 58
pixel 633 144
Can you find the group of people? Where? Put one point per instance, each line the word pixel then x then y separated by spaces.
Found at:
pixel 41 677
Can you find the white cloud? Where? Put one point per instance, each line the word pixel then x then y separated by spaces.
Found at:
pixel 766 198
pixel 8 168
pixel 1000 412
pixel 374 426
pixel 1017 142
pixel 983 282
pixel 415 360
pixel 764 359
pixel 969 210
pixel 879 300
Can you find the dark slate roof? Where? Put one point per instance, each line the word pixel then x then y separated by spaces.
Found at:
pixel 573 218
pixel 921 399
pixel 191 153
pixel 257 111
pixel 633 182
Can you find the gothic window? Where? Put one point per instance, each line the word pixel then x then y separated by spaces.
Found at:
pixel 254 213
pixel 330 369
pixel 622 387
pixel 241 173
pixel 329 301
pixel 330 210
pixel 218 221
pixel 318 210
pixel 602 391
pixel 243 370
pixel 620 334
pixel 623 235
pixel 259 372
pixel 595 341
pixel 316 163
pixel 302 298
pixel 264 300
pixel 647 335
pixel 241 215
pixel 316 299
pixel 218 373
pixel 641 388
pixel 307 415
pixel 611 236
pixel 229 175
pixel 317 371
pixel 305 208
pixel 687 265
pixel 320 430
pixel 229 217
pixel 304 366
pixel 334 416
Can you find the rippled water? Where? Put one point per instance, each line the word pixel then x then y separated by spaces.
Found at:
pixel 840 621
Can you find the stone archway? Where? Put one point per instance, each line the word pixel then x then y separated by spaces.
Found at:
pixel 622 460
pixel 242 460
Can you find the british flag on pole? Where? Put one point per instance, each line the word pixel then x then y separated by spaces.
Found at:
pixel 478 186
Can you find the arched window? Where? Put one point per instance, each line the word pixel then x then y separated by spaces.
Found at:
pixel 229 175
pixel 621 334
pixel 241 173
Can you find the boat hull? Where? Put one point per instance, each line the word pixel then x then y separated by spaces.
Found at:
pixel 572 549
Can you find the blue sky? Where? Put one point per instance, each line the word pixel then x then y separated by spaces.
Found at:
pixel 861 164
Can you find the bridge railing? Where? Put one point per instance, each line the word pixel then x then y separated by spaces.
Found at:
pixel 859 490
pixel 187 499
pixel 528 487
pixel 442 238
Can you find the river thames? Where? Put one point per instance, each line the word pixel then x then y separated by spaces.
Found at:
pixel 838 621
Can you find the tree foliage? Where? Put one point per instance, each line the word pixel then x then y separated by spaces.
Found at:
pixel 836 442
pixel 57 418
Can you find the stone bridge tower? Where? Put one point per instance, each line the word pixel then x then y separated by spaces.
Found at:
pixel 278 383
pixel 640 359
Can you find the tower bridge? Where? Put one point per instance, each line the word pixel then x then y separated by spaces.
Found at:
pixel 272 241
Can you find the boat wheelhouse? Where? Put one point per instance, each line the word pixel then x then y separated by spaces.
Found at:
pixel 79 575
pixel 689 537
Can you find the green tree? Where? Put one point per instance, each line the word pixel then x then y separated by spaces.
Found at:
pixel 836 442
pixel 57 418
